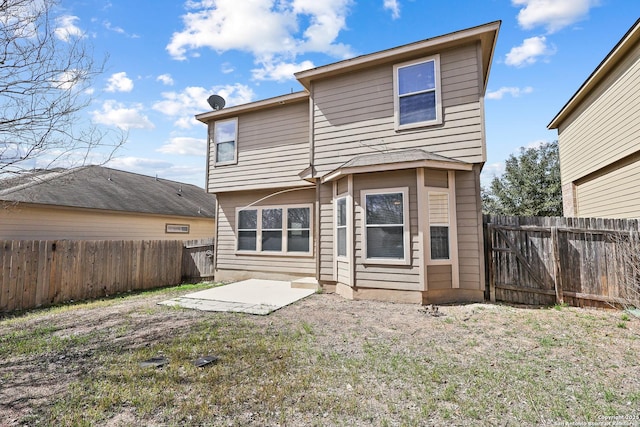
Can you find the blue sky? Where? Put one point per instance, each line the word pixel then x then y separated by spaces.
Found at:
pixel 164 58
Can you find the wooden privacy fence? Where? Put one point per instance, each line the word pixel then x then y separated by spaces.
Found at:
pixel 553 260
pixel 197 259
pixel 41 273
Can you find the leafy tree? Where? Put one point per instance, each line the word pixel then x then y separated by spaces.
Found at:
pixel 530 185
pixel 45 74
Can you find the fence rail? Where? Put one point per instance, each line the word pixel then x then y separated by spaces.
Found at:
pixel 552 260
pixel 41 273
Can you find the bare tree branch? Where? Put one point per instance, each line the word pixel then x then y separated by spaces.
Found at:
pixel 45 77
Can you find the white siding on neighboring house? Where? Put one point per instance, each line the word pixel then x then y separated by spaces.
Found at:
pixel 231 265
pixel 354 114
pixel 273 148
pixel 606 127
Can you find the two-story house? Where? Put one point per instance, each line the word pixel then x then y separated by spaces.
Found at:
pixel 367 181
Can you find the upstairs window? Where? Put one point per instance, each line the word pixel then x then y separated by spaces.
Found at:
pixel 225 141
pixel 417 93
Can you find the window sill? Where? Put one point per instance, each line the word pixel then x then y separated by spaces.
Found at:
pixel 235 162
pixel 419 125
pixel 275 254
pixel 386 261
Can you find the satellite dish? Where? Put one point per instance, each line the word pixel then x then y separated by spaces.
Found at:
pixel 216 101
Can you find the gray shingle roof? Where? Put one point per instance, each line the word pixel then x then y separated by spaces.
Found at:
pixel 398 156
pixel 98 187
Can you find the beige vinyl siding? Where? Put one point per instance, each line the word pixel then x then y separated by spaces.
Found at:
pixel 38 222
pixel 273 148
pixel 259 265
pixel 439 277
pixel 353 114
pixel 371 275
pixel 612 195
pixel 469 224
pixel 606 127
pixel 326 233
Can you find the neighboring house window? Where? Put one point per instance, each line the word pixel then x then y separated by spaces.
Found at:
pixel 225 141
pixel 417 93
pixel 386 226
pixel 439 225
pixel 285 230
pixel 177 228
pixel 341 226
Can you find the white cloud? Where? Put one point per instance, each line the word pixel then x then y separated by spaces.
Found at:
pixel 490 171
pixel 185 146
pixel 188 173
pixel 66 28
pixel 138 163
pixel 554 15
pixel 193 100
pixel 394 7
pixel 227 68
pixel 69 79
pixel 515 92
pixel 119 82
pixel 166 79
pixel 529 52
pixel 277 33
pixel 117 114
pixel 279 72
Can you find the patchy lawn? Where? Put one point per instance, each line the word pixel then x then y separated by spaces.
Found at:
pixel 321 361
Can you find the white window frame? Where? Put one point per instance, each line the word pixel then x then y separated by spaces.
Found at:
pixel 438 93
pixel 406 260
pixel 216 142
pixel 345 226
pixel 447 193
pixel 285 231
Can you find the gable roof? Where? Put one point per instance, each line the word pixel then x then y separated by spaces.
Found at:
pixel 98 187
pixel 617 54
pixel 486 34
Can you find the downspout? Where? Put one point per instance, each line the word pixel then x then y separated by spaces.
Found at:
pixel 316 217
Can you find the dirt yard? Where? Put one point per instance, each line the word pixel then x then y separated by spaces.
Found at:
pixel 321 361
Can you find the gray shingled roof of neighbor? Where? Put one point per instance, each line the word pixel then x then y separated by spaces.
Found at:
pixel 98 187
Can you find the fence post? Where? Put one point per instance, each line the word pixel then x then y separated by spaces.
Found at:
pixel 557 270
pixel 492 277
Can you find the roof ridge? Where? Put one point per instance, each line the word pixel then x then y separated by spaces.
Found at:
pixel 46 176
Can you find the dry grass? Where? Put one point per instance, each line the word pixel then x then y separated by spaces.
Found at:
pixel 321 361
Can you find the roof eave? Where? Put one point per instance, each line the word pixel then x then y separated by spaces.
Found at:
pixel 486 34
pixel 434 164
pixel 600 73
pixel 253 106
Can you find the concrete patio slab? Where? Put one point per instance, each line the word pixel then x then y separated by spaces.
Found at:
pixel 253 296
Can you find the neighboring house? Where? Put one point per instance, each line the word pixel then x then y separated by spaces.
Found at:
pixel 99 203
pixel 599 137
pixel 368 180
